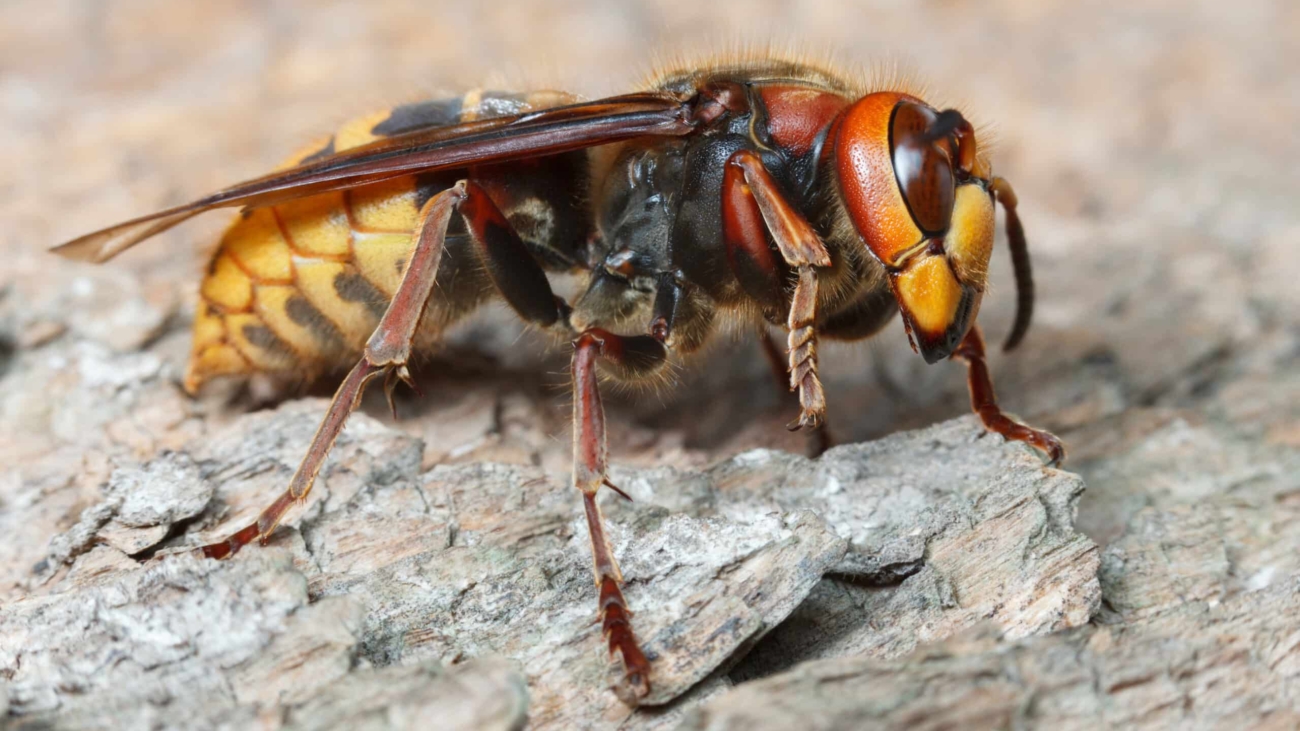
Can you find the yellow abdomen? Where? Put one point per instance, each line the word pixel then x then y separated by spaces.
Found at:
pixel 299 287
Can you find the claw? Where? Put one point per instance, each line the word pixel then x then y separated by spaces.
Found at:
pixel 390 383
pixel 810 419
pixel 1050 445
pixel 400 373
pixel 410 382
pixel 616 488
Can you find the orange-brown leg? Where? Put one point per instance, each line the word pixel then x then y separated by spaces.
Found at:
pixel 985 403
pixel 519 278
pixel 387 351
pixel 750 194
pixel 631 355
pixel 345 401
pixel 822 439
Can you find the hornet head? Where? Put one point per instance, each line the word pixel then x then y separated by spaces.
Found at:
pixel 922 201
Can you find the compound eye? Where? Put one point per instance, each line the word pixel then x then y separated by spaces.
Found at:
pixel 923 168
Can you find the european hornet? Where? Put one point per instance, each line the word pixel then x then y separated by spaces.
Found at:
pixel 774 190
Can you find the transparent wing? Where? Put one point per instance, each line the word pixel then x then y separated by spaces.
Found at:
pixel 499 139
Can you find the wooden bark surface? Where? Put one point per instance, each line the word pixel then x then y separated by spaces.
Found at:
pixel 439 574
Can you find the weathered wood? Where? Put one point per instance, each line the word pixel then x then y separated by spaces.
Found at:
pixel 392 566
pixel 1234 665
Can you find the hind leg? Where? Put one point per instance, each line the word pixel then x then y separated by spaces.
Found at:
pixel 518 277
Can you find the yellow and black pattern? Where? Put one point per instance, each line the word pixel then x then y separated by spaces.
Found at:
pixel 298 287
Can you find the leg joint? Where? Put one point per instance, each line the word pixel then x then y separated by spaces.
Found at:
pixel 628 357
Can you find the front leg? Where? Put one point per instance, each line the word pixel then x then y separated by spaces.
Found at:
pixel 748 188
pixel 802 351
pixel 985 403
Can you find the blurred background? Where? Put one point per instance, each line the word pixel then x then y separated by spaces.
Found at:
pixel 1153 146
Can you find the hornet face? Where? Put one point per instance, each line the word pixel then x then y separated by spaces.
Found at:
pixel 920 199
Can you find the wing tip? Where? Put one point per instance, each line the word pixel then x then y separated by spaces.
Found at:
pixel 100 246
pixel 88 248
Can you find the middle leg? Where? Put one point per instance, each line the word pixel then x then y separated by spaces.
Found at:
pixel 631 357
pixel 626 358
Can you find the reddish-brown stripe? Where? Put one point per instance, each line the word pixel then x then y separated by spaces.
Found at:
pixel 797 114
pixel 742 222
